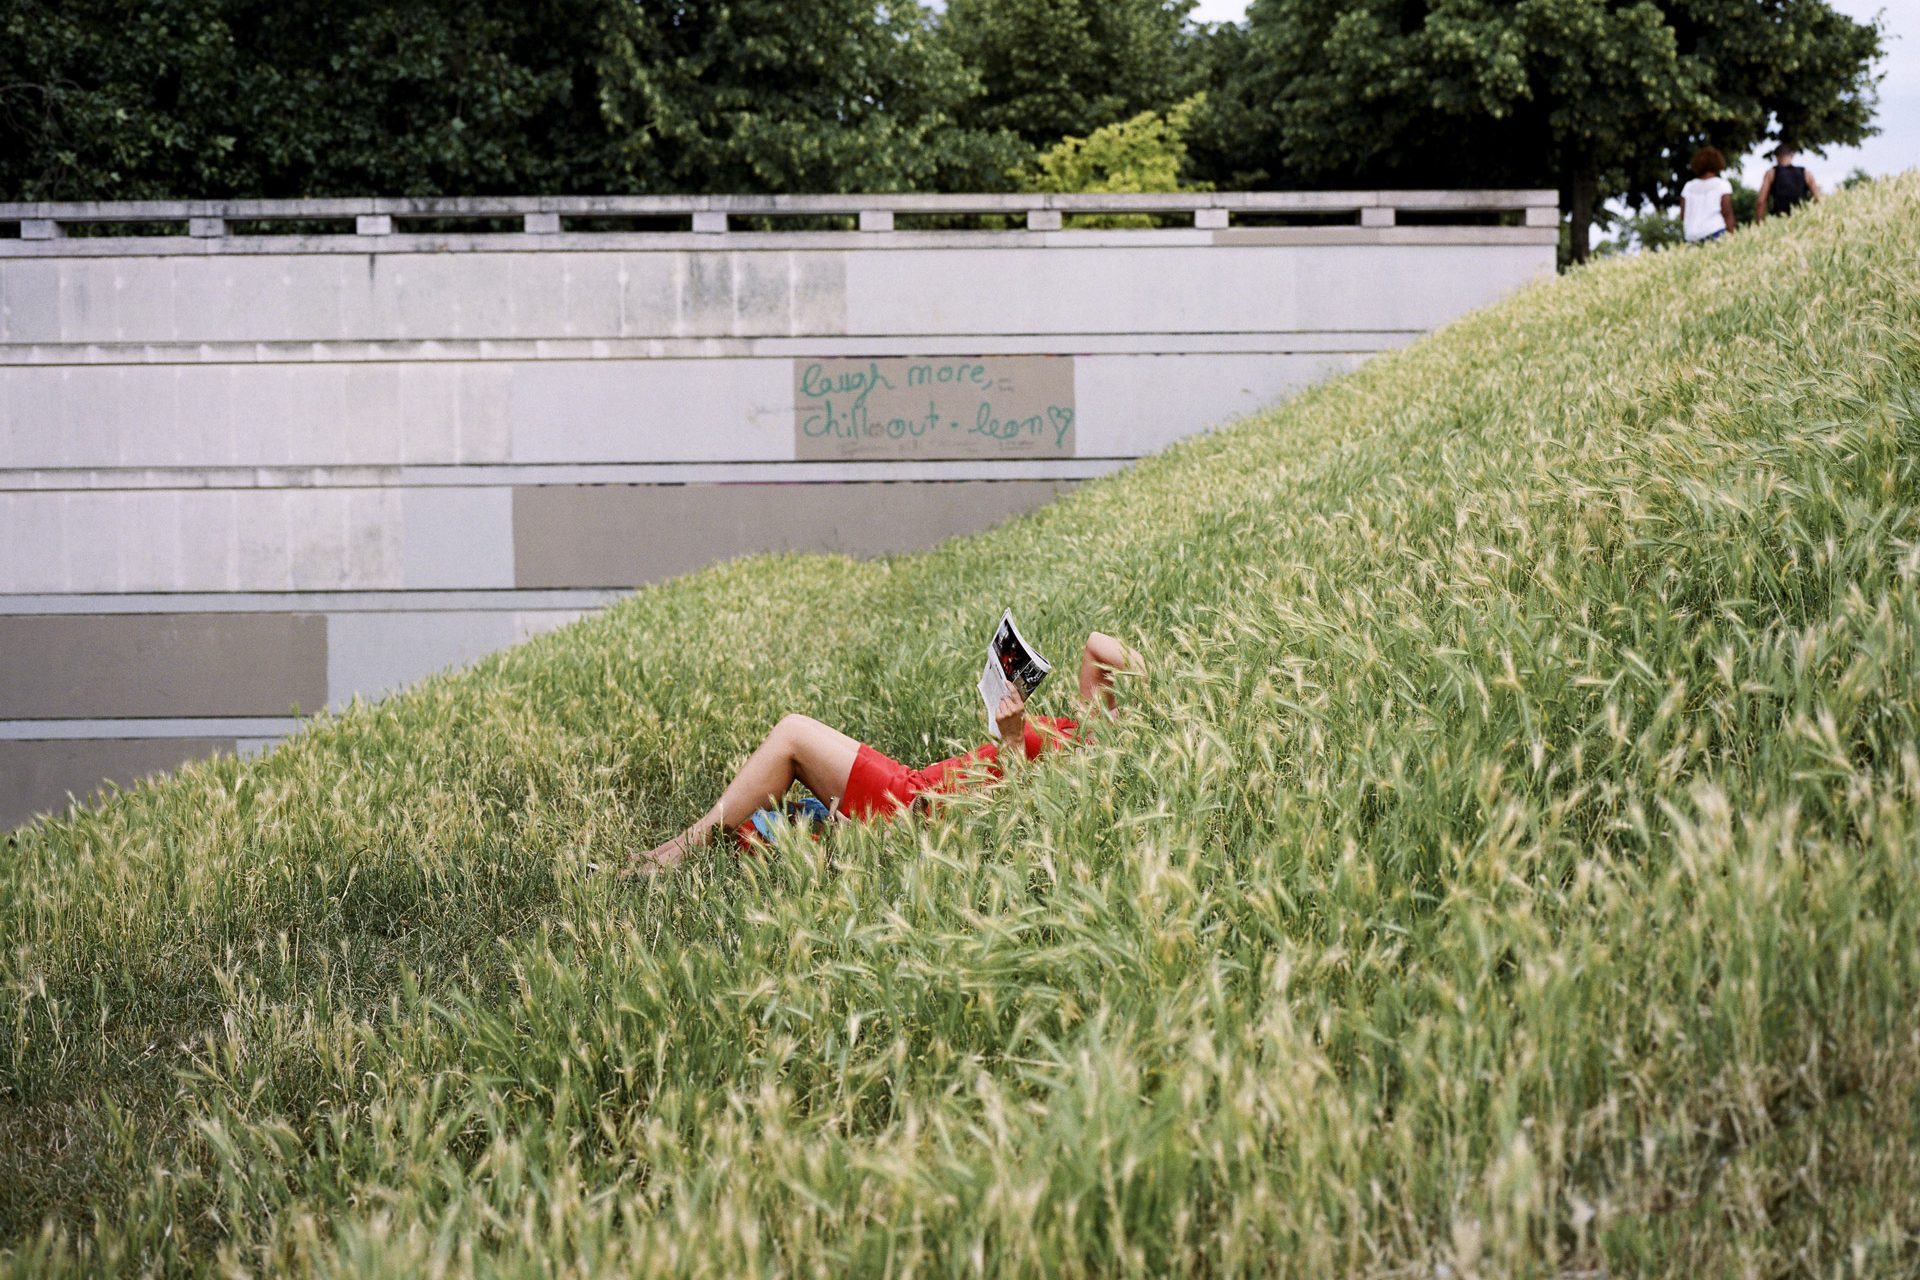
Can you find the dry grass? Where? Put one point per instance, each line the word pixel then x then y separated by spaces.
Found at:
pixel 1511 865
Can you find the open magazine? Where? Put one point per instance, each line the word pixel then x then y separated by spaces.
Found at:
pixel 1011 663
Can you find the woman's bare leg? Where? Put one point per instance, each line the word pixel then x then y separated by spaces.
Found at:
pixel 800 748
pixel 1102 657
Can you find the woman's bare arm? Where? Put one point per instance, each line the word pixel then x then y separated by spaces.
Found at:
pixel 1099 661
pixel 1010 724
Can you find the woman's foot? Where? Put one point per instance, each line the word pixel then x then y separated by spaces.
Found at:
pixel 662 857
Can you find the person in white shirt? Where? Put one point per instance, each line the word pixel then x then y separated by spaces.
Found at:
pixel 1706 203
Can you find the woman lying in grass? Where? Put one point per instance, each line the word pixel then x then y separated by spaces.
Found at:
pixel 855 781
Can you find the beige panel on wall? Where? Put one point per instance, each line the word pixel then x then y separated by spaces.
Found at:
pixel 81 666
pixel 626 535
pixel 38 777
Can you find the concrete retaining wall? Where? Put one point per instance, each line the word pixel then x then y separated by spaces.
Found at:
pixel 244 476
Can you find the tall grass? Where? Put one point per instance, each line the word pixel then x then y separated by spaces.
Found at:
pixel 1510 864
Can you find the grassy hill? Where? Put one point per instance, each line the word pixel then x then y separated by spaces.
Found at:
pixel 1512 862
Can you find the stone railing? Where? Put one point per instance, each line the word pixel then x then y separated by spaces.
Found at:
pixel 383 222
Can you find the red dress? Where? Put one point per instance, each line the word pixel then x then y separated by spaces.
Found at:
pixel 879 784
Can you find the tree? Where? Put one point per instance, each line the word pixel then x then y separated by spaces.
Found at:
pixel 1231 142
pixel 768 95
pixel 203 98
pixel 1599 98
pixel 1146 152
pixel 1062 68
pixel 103 99
pixel 1143 153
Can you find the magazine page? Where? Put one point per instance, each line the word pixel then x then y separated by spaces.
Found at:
pixel 1011 663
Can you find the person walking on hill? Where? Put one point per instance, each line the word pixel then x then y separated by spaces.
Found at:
pixel 1785 186
pixel 1706 203
pixel 853 780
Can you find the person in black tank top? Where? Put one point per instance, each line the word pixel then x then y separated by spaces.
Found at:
pixel 1785 186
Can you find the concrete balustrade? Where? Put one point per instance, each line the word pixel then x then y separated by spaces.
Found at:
pixel 246 474
pixel 542 215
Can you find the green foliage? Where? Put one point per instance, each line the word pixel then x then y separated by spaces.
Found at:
pixel 1231 140
pixel 208 98
pixel 1602 100
pixel 767 95
pixel 240 98
pixel 1635 232
pixel 1506 862
pixel 1144 153
pixel 1057 68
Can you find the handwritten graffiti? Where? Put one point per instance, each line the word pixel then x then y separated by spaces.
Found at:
pixel 895 407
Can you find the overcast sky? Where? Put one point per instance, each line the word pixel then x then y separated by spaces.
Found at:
pixel 1895 147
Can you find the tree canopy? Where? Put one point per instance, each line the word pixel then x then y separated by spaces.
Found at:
pixel 1145 152
pixel 204 98
pixel 1598 98
pixel 767 95
pixel 1056 68
pixel 199 98
pixel 102 99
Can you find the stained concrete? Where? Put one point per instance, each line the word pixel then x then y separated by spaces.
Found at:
pixel 36 778
pixel 626 535
pixel 83 666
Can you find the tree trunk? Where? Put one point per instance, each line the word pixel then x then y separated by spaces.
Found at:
pixel 1585 190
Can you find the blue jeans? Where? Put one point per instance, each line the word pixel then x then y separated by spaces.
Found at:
pixel 1708 239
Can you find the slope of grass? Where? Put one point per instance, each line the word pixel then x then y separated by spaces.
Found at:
pixel 1511 862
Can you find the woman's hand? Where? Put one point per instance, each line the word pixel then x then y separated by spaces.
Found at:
pixel 1010 720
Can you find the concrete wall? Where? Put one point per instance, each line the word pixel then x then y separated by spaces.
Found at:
pixel 244 477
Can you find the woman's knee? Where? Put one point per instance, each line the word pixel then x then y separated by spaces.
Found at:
pixel 804 733
pixel 791 728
